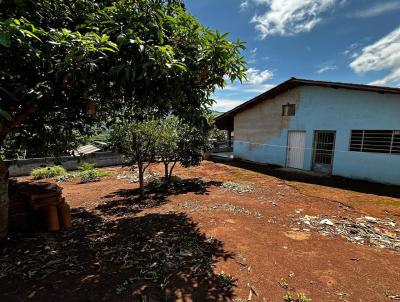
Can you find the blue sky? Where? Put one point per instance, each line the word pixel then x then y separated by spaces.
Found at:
pixel 355 41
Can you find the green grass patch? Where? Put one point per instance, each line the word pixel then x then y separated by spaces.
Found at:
pixel 88 173
pixel 48 172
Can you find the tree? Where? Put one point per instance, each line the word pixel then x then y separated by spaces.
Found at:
pixel 169 66
pixel 137 142
pixel 62 61
pixel 44 75
pixel 167 144
pixel 180 142
pixel 168 141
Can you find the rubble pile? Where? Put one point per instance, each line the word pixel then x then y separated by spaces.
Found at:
pixel 363 230
pixel 236 187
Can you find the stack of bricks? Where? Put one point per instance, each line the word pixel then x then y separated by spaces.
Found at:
pixel 32 204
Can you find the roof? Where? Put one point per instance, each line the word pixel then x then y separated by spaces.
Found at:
pixel 225 121
pixel 88 149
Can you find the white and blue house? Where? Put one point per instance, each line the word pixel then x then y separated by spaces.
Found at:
pixel 342 129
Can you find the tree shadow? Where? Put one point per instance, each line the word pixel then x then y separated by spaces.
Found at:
pixel 125 201
pixel 129 203
pixel 311 178
pixel 155 257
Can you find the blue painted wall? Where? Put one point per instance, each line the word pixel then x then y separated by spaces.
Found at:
pixel 340 110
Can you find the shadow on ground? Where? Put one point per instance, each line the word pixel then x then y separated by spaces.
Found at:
pixel 155 257
pixel 126 200
pixel 329 181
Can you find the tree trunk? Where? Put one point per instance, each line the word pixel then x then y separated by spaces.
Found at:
pixel 4 202
pixel 141 180
pixel 166 173
pixel 170 171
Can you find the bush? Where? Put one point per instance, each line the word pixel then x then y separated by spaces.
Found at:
pixel 48 172
pixel 92 175
pixel 89 176
pixel 87 167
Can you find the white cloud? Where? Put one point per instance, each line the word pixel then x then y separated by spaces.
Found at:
pixel 326 68
pixel 381 55
pixel 236 93
pixel 377 9
pixel 286 18
pixel 253 51
pixel 352 50
pixel 256 76
pixel 252 58
pixel 224 105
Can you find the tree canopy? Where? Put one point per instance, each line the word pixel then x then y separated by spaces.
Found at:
pixel 62 61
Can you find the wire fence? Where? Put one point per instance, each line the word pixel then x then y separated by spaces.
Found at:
pixel 231 143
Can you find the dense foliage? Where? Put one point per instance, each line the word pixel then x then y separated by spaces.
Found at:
pixel 62 61
pixel 137 142
pixel 177 141
pixel 168 141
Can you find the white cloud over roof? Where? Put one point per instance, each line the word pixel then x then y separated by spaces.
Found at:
pixel 382 55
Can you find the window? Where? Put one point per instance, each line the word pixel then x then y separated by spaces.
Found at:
pixel 375 141
pixel 288 109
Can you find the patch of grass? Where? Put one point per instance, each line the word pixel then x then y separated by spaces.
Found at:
pixel 48 172
pixel 103 173
pixel 89 176
pixel 87 167
pixel 301 297
pixel 89 173
pixel 92 175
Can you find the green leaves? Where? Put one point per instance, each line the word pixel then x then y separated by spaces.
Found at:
pixel 136 59
pixel 5 39
pixel 5 115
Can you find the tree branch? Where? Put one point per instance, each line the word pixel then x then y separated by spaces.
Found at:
pixel 16 121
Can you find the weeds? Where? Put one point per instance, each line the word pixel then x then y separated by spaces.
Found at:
pixel 48 172
pixel 301 297
pixel 225 279
pixel 90 174
pixel 87 167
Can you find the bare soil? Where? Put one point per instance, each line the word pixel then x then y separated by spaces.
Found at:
pixel 205 241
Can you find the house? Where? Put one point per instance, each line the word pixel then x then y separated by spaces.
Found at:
pixel 341 129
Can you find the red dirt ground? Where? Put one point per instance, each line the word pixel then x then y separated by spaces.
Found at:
pixel 203 243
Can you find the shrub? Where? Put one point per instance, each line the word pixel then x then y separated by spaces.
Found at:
pixel 89 176
pixel 92 175
pixel 87 167
pixel 48 172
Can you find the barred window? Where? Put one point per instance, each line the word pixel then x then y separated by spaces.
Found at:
pixel 375 141
pixel 288 110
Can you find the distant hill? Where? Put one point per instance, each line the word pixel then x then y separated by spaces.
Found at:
pixel 217 113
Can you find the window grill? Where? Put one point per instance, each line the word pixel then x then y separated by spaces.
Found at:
pixel 375 141
pixel 324 147
pixel 288 110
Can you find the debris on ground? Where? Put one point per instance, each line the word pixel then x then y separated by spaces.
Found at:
pixel 237 187
pixel 197 206
pixel 391 296
pixel 363 230
pixel 133 177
